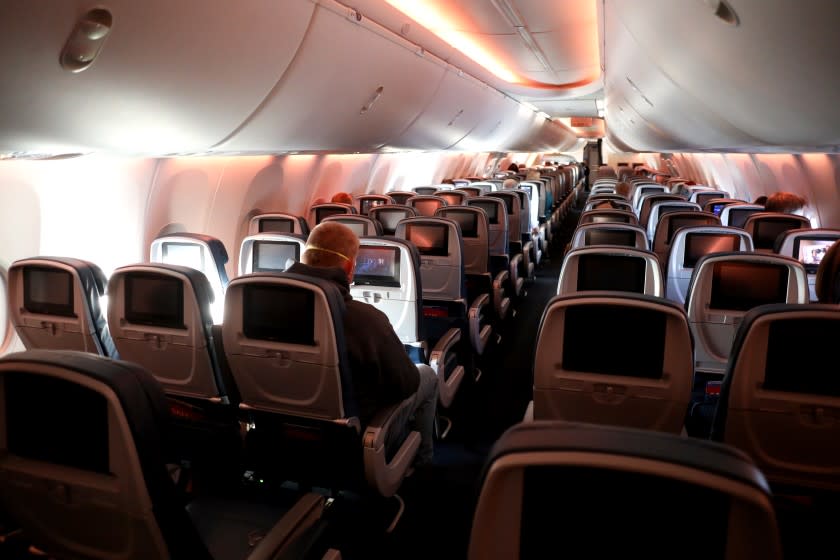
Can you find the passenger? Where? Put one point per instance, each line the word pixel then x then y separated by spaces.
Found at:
pixel 513 167
pixel 760 200
pixel 827 283
pixel 319 200
pixel 509 184
pixel 383 374
pixel 342 198
pixel 785 202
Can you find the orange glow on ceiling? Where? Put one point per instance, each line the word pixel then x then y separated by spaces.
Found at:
pixel 443 24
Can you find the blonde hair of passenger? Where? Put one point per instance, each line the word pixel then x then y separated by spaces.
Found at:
pixel 331 244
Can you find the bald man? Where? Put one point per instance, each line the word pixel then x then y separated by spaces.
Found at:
pixel 383 374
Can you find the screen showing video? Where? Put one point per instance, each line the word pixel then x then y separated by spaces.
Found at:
pixel 377 266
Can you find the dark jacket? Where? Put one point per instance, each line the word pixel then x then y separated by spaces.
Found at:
pixel 383 374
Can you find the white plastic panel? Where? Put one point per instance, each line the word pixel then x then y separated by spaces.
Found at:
pixel 352 87
pixel 762 85
pixel 170 77
pixel 458 106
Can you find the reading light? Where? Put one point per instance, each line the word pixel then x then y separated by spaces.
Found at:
pixel 438 22
pixel 86 40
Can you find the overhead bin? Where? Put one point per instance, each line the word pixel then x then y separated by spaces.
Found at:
pixel 353 86
pixel 745 76
pixel 168 77
pixel 460 104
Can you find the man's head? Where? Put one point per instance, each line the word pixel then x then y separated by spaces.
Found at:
pixel 332 244
pixel 623 189
pixel 785 202
pixel 509 183
pixel 342 198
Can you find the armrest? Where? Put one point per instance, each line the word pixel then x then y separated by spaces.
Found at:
pixel 294 534
pixel 479 334
pixel 500 303
pixel 528 262
pixel 386 477
pixel 517 279
pixel 447 386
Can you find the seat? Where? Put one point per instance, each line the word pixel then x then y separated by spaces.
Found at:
pixel 568 486
pixel 484 187
pixel 55 303
pixel 362 226
pixel 368 201
pixel 723 287
pixel 528 221
pixel 670 223
pixel 85 476
pixel 517 243
pixel 480 278
pixel 625 235
pixel 613 358
pixel 400 197
pixel 426 205
pixel 270 252
pixel 387 276
pixel 689 245
pixel 160 319
pixel 284 340
pixel 446 308
pixel 389 216
pixel 200 252
pixel 608 216
pixel 808 246
pixel 498 242
pixel 766 227
pixel 276 222
pixel 736 215
pixel 778 402
pixel 318 212
pixel 610 267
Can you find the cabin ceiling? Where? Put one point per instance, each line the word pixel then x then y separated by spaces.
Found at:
pixel 216 77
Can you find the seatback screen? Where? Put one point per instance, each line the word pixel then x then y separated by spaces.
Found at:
pixel 490 208
pixel 636 340
pixel 738 216
pixel 426 207
pixel 56 421
pixel 276 225
pixel 321 213
pixel 274 256
pixel 810 251
pixel 154 299
pixel 377 266
pixel 740 286
pixel 468 221
pixel 788 366
pixel 279 314
pixel 611 272
pixel 184 254
pixel 48 291
pixel 431 240
pixel 390 219
pixel 625 238
pixel 766 230
pixel 700 244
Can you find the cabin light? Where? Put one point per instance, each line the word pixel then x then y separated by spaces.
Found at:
pixel 86 40
pixel 438 21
